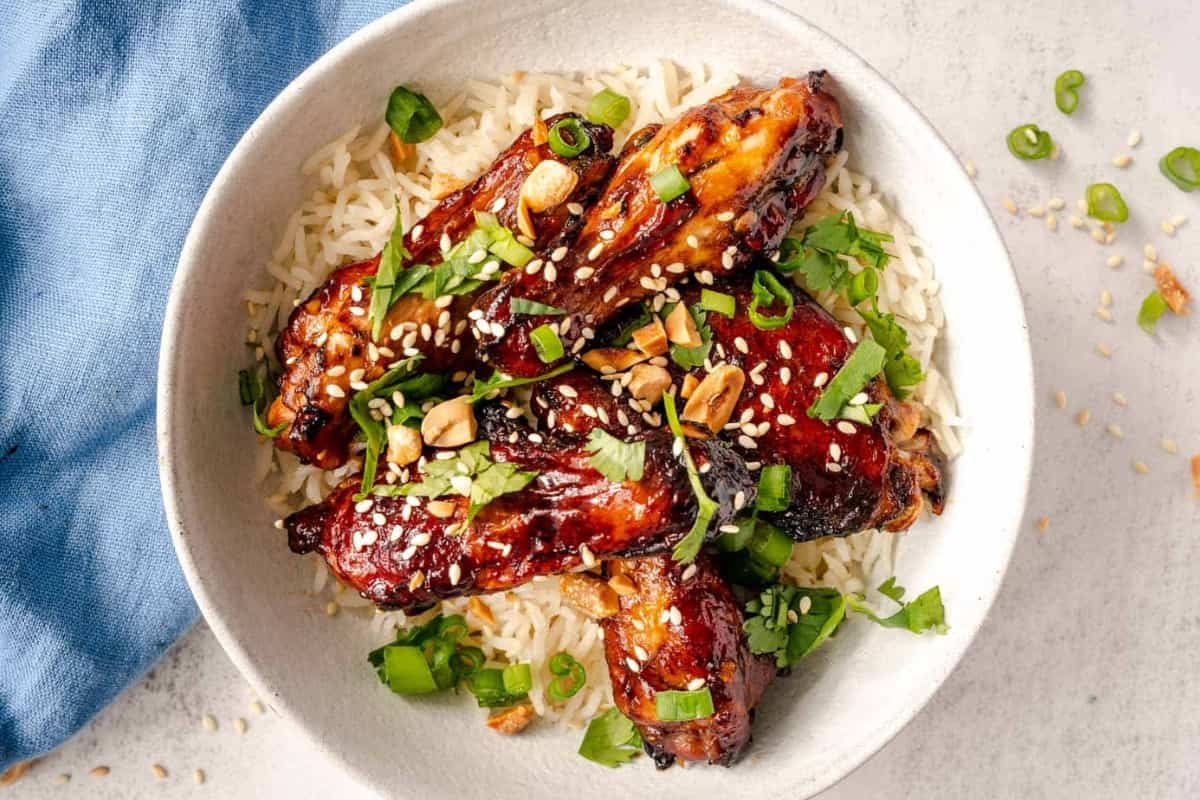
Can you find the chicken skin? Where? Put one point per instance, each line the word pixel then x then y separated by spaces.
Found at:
pixel 681 630
pixel 410 552
pixel 752 159
pixel 327 349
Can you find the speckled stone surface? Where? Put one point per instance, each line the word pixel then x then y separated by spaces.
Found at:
pixel 1083 681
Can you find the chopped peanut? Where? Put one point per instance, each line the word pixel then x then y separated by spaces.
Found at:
pixel 481 610
pixel 15 773
pixel 622 585
pixel 651 339
pixel 681 328
pixel 1196 473
pixel 690 382
pixel 443 184
pixel 550 184
pixel 541 132
pixel 404 445
pixel 589 594
pixel 511 720
pixel 449 424
pixel 648 382
pixel 525 219
pixel 401 151
pixel 711 404
pixel 607 360
pixel 1171 290
pixel 442 509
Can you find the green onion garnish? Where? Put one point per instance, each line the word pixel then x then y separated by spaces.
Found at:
pixel 863 286
pixel 385 276
pixel 1153 307
pixel 863 364
pixel 769 545
pixel 608 108
pixel 406 671
pixel 1104 202
pixel 733 542
pixel 411 115
pixel 427 657
pixel 496 688
pixel 862 414
pixel 567 138
pixel 1029 142
pixel 767 291
pixel 1181 167
pixel 504 244
pixel 1065 95
pixel 252 392
pixel 569 676
pixel 519 305
pixel 718 302
pixel 676 706
pixel 774 488
pixel 669 183
pixel 689 546
pixel 545 340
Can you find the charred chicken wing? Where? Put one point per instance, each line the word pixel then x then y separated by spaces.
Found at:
pixel 327 349
pixel 752 160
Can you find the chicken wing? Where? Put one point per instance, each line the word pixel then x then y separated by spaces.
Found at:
pixel 409 552
pixel 753 160
pixel 326 347
pixel 681 629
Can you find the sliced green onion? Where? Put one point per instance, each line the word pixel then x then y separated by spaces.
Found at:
pixel 519 305
pixel 252 392
pixel 495 688
pixel 733 542
pixel 862 414
pixel 1029 142
pixel 545 340
pixel 411 115
pixel 864 285
pixel 677 706
pixel 608 108
pixel 1181 167
pixel 406 671
pixel 767 291
pixel 774 488
pixel 863 364
pixel 1065 96
pixel 1104 202
pixel 246 387
pixel 504 244
pixel 718 302
pixel 567 138
pixel 518 679
pixel 770 545
pixel 1152 308
pixel 467 661
pixel 669 183
pixel 570 676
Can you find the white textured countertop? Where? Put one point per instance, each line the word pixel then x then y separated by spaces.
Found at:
pixel 1084 681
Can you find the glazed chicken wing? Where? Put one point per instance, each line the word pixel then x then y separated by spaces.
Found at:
pixel 681 630
pixel 326 347
pixel 409 552
pixel 753 159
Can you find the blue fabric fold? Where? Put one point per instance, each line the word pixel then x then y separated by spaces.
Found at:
pixel 114 118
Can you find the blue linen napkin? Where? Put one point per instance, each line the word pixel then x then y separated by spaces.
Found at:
pixel 114 118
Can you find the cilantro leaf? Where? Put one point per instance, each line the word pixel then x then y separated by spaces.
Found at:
pixel 520 305
pixel 889 589
pixel 687 548
pixel 899 368
pixel 821 621
pixel 495 479
pixel 817 254
pixel 924 613
pixel 497 381
pixel 471 473
pixel 610 740
pixel 625 335
pixel 614 459
pixel 383 292
pixel 770 627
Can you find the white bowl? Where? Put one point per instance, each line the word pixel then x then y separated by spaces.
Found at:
pixel 841 705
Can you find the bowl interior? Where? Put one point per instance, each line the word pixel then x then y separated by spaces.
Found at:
pixel 842 704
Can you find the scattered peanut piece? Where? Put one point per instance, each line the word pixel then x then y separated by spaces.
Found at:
pixel 690 382
pixel 442 185
pixel 442 509
pixel 1043 524
pixel 401 151
pixel 622 585
pixel 1060 399
pixel 99 772
pixel 1083 417
pixel 1196 473
pixel 1168 445
pixel 651 338
pixel 210 722
pixel 239 725
pixel 198 776
pixel 1104 351
pixel 15 773
pixel 681 328
pixel 648 382
pixel 511 720
pixel 404 445
pixel 711 404
pixel 159 771
pixel 589 594
pixel 1120 399
pixel 1140 468
pixel 1114 430
pixel 449 424
pixel 482 610
pixel 1171 290
pixel 607 360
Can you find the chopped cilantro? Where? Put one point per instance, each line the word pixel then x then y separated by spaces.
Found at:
pixel 688 547
pixel 899 368
pixel 610 740
pixel 498 382
pixel 614 459
pixel 471 473
pixel 862 365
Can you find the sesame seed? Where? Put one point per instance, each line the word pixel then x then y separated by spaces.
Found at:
pixel 1168 445
pixel 444 242
pixel 378 519
pixel 633 665
pixel 705 277
pixel 1122 161
pixel 792 616
pixel 727 260
pixel 1031 136
pixel 559 253
pixel 688 573
pixel 695 684
pixel 585 553
pixel 1010 206
pixel 1167 227
pixel 1115 261
pixel 832 467
pixel 331 608
pixel 1060 399
pixel 785 419
pixel 583 273
pixel 1149 266
pixel 607 235
pixel 972 170
pixel 859 399
pixel 725 216
pixel 845 427
pixel 675 615
pixel 641 653
pixel 1135 138
pixel 497 206
pixel 1104 314
pixel 835 451
pixel 159 771
pixel 748 443
pixel 1150 252
pixel 1076 222
pixel 477 256
pixel 1037 211
pixel 1104 351
pixel 594 253
pixel 1119 399
pixel 1082 418
pixel 692 241
pixel 785 375
pixel 497 330
pixel 1140 467
pixel 356 294
pixel 676 268
pixel 850 334
pixel 198 776
pixel 805 604
pixel 239 725
pixel 1115 431
pixel 575 209
pixel 455 574
pixel 418 580
pixel 1057 203
pixel 739 500
pixel 278 524
pixel 209 722
pixel 550 273
pixel 1098 235
pixel 1179 219
pixel 1051 222
pixel 820 380
pixel 741 345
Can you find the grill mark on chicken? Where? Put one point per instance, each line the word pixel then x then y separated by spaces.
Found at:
pixel 690 631
pixel 324 332
pixel 539 530
pixel 754 159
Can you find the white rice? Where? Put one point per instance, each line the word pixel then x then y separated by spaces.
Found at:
pixel 349 217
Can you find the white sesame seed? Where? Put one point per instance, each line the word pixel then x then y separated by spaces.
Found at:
pixel 209 722
pixel 1140 467
pixel 633 665
pixel 676 268
pixel 550 273
pixel 859 399
pixel 705 277
pixel 1098 235
pixel 725 216
pixel 1179 219
pixel 835 451
pixel 358 311
pixel 559 253
pixel 739 500
pixel 1051 222
pixel 583 273
pixel 1150 252
pixel 607 235
pixel 1010 206
pixel 356 294
pixel 850 334
pixel 477 256
pixel 767 401
pixel 444 243
pixel 1122 161
pixel 333 390
pixel 641 653
pixel 785 375
pixel 1104 350
pixel 1167 227
pixel 1060 399
pixel 820 380
pixel 845 427
pixel 1115 261
pixel 741 345
pixel 1036 211
pixel 688 573
pixel 1115 431
pixel 575 209
pixel 696 684
pixel 832 467
pixel 455 574
pixel 674 614
pixel 972 170
pixel 417 231
pixel 1135 138
pixel 1169 445
pixel 748 443
pixel 1056 203
pixel 1076 222
pixel 692 241
pixel 497 330
pixel 594 253
pixel 805 604
pixel 1104 314
pixel 497 206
